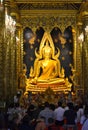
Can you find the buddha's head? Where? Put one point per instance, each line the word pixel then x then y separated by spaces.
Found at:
pixel 47 50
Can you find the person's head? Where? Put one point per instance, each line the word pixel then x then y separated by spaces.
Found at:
pixel 46 104
pixel 32 107
pixel 80 105
pixel 52 106
pixel 70 105
pixel 59 103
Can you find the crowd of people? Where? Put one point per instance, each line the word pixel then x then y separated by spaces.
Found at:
pixel 45 116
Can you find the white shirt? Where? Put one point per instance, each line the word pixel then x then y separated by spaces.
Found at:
pixel 47 113
pixel 80 113
pixel 58 113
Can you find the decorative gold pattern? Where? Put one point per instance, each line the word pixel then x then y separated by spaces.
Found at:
pixel 49 22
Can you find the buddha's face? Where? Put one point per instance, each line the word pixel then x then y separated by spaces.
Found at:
pixel 47 51
pixel 47 55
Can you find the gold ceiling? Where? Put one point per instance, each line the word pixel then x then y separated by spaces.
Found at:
pixel 32 7
pixel 48 4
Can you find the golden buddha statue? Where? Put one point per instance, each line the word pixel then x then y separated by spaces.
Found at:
pixel 47 68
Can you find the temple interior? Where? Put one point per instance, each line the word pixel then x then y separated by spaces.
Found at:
pixel 43 49
pixel 43 63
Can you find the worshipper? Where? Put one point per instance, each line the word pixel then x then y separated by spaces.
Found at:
pixel 46 112
pixel 85 125
pixel 70 116
pixel 14 110
pixel 52 125
pixel 80 112
pixel 26 123
pixel 14 122
pixel 2 120
pixel 32 112
pixel 58 114
pixel 40 124
pixel 84 119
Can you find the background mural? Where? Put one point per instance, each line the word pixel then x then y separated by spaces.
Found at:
pixel 31 41
pixel 63 41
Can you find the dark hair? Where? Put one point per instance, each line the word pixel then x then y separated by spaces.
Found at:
pixel 46 104
pixel 70 105
pixel 59 103
pixel 80 105
pixel 52 106
pixel 32 107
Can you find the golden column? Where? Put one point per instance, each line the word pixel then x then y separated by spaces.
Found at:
pixel 84 13
pixel 10 52
pixel 16 55
pixel 19 52
pixel 6 56
pixel 2 87
pixel 79 57
pixel 18 47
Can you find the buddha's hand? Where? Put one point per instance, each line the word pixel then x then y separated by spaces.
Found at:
pixel 34 81
pixel 62 76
